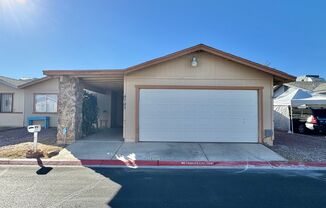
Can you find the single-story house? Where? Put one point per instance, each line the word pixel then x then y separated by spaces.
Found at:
pixel 21 99
pixel 11 102
pixel 199 94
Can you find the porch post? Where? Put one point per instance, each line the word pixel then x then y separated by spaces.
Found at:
pixel 69 109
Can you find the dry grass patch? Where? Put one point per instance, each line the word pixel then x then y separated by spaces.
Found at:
pixel 20 150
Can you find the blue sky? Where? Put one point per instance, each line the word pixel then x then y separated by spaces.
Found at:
pixel 104 34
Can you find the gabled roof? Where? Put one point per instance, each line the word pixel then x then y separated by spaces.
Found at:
pixel 14 83
pixel 279 76
pixel 21 83
pixel 34 81
pixel 282 76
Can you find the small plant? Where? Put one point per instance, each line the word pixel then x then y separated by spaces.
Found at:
pixel 90 113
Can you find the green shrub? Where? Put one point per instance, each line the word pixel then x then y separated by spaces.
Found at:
pixel 90 113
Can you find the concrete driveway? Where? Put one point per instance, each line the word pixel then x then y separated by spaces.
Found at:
pixel 166 151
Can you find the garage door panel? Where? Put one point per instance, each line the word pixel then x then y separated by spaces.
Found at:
pixel 198 115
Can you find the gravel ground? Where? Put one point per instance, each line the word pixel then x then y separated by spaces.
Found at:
pixel 20 135
pixel 300 147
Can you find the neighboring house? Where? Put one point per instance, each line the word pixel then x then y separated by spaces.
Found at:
pixel 307 87
pixel 199 94
pixel 21 99
pixel 311 83
pixel 24 98
pixel 41 99
pixel 11 102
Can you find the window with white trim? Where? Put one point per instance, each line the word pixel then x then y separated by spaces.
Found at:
pixel 45 103
pixel 6 102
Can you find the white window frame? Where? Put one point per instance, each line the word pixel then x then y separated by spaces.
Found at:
pixel 46 110
pixel 12 102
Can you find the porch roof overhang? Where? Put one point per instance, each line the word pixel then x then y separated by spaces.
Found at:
pixel 85 73
pixel 96 80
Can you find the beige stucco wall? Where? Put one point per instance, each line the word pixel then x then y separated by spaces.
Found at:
pixel 47 86
pixel 211 71
pixel 104 104
pixel 119 106
pixel 16 118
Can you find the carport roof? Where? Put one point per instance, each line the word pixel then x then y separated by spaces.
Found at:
pixel 278 75
pixel 84 73
pixel 95 80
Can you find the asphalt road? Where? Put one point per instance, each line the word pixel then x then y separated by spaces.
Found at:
pixel 27 186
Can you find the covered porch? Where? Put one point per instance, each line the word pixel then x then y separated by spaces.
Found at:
pixel 107 86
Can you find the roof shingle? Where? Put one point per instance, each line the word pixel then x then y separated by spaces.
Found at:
pixel 321 87
pixel 13 82
pixel 311 86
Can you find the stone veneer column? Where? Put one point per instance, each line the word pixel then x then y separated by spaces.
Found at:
pixel 69 109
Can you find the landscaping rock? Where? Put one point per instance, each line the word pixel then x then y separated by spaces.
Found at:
pixel 32 154
pixel 21 135
pixel 53 153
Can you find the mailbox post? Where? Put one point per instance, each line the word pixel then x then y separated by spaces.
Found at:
pixel 34 129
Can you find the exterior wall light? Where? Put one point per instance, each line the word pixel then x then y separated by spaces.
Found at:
pixel 194 62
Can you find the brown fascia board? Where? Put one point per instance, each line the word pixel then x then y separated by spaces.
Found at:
pixel 82 73
pixel 201 47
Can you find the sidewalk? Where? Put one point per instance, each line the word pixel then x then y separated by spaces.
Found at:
pixel 165 151
pixel 151 154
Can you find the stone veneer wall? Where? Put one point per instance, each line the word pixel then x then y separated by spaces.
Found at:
pixel 70 101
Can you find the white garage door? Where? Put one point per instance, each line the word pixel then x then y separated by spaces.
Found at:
pixel 184 115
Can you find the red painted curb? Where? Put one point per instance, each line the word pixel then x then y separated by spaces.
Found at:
pixel 4 162
pixel 140 163
pixel 120 163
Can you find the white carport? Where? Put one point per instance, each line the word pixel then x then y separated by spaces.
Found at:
pixel 284 103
